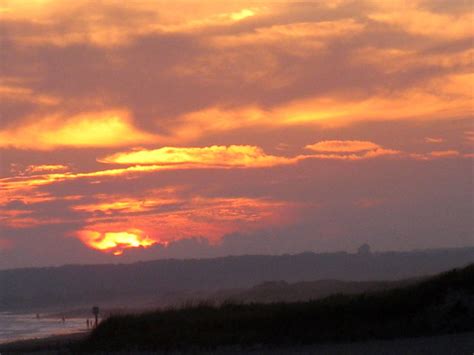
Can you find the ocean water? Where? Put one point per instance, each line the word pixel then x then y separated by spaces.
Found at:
pixel 28 326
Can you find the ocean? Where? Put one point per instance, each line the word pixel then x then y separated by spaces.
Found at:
pixel 27 326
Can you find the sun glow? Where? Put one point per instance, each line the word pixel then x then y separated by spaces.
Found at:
pixel 92 129
pixel 116 242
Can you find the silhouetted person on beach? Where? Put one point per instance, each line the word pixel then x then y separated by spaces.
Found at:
pixel 95 311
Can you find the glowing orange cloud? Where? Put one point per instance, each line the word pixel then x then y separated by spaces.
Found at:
pixel 28 183
pixel 192 215
pixel 45 168
pixel 342 146
pixel 223 156
pixel 168 158
pixel 415 20
pixel 438 154
pixel 95 129
pixel 211 218
pixel 309 35
pixel 98 28
pixel 357 150
pixel 115 242
pixel 354 157
pixel 111 205
pixel 434 140
pixel 443 97
pixel 215 157
pixel 444 153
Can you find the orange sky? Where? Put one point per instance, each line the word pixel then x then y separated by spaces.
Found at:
pixel 149 129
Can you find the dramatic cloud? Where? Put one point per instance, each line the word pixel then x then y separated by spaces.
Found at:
pixel 343 146
pixel 165 221
pixel 219 127
pixel 215 156
pixel 103 129
pixel 349 150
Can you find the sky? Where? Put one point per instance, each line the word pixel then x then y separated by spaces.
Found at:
pixel 138 130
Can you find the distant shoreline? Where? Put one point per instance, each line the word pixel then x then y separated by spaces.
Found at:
pixel 32 326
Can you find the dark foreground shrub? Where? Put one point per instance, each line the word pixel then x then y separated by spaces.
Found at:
pixel 442 304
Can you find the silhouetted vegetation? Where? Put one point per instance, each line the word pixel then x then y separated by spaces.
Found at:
pixel 439 305
pixel 281 291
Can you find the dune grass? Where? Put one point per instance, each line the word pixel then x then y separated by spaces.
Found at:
pixel 442 304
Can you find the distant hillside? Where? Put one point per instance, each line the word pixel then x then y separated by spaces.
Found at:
pixel 161 280
pixel 441 305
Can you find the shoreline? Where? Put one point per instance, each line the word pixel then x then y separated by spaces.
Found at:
pixel 28 327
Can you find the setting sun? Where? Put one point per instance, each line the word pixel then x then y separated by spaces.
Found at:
pixel 115 242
